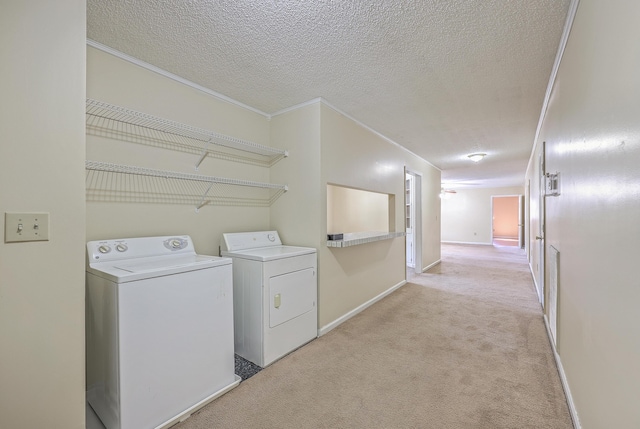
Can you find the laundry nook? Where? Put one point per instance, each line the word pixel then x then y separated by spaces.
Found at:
pixel 302 214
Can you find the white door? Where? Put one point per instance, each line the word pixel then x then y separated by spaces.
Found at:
pixel 521 222
pixel 409 216
pixel 540 236
pixel 414 252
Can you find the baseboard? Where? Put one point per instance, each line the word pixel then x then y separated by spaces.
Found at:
pixel 428 267
pixel 533 277
pixel 467 242
pixel 563 378
pixel 325 329
pixel 535 287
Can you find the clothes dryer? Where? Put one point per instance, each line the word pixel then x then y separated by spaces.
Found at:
pixel 275 293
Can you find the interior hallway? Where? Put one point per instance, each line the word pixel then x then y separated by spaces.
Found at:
pixel 462 346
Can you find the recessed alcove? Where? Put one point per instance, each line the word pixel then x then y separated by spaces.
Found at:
pixel 362 216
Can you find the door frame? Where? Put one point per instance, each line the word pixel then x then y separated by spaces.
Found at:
pixel 417 219
pixel 409 225
pixel 520 216
pixel 521 221
pixel 540 237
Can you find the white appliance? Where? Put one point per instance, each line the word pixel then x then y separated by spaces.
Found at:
pixel 275 292
pixel 159 330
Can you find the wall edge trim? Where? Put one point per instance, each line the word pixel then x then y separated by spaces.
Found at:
pixel 476 243
pixel 536 289
pixel 346 115
pixel 428 267
pixel 162 72
pixel 297 106
pixel 571 14
pixel 340 320
pixel 367 127
pixel 573 412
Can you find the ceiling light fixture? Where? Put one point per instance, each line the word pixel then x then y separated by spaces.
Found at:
pixel 476 157
pixel 446 193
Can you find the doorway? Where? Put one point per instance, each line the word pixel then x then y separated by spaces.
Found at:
pixel 409 216
pixel 413 220
pixel 507 220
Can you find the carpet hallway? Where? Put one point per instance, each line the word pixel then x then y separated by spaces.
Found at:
pixel 461 346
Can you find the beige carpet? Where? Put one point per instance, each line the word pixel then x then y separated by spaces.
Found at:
pixel 463 346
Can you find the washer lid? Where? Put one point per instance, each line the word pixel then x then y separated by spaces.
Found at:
pixel 128 270
pixel 265 254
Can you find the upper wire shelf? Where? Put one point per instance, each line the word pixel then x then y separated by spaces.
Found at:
pixel 124 183
pixel 117 122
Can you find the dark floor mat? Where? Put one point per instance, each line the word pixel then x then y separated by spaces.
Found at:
pixel 246 369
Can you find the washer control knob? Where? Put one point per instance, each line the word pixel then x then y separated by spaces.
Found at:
pixel 121 247
pixel 104 249
pixel 271 237
pixel 176 243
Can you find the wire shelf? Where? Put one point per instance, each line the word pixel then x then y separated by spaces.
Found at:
pixel 123 183
pixel 106 120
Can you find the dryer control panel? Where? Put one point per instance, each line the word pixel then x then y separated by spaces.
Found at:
pixel 233 242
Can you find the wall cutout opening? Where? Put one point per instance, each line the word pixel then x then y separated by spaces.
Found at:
pixel 351 210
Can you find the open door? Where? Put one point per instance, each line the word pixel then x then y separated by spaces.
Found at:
pixel 409 218
pixel 521 222
pixel 541 230
pixel 413 220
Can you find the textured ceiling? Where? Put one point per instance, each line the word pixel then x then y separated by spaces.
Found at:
pixel 443 78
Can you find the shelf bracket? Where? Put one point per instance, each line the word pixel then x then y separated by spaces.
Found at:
pixel 204 154
pixel 204 202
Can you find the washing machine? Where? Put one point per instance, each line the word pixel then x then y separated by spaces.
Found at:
pixel 275 293
pixel 159 330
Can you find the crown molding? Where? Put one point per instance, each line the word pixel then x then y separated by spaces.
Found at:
pixel 162 72
pixel 172 76
pixel 571 14
pixel 382 136
pixel 346 115
pixel 297 106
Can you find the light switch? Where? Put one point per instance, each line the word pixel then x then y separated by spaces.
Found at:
pixel 26 227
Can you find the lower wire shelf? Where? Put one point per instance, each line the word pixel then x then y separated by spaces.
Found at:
pixel 123 183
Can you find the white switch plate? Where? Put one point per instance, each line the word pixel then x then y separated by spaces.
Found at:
pixel 26 227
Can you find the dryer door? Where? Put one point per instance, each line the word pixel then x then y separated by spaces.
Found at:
pixel 291 295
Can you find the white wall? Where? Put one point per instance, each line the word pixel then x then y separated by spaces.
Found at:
pixel 592 133
pixel 431 214
pixel 122 83
pixel 297 214
pixel 466 215
pixel 42 82
pixel 355 210
pixel 353 155
pixel 533 230
pixel 332 148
